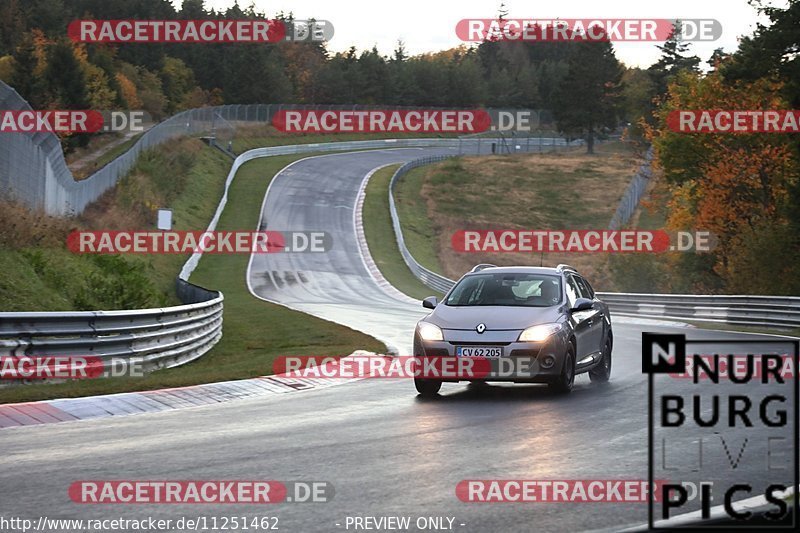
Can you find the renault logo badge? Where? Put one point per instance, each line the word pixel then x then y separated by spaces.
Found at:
pixel 480 328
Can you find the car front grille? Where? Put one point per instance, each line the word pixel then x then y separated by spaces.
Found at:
pixel 524 353
pixel 437 352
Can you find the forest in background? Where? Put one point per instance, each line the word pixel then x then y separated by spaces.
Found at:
pixel 743 187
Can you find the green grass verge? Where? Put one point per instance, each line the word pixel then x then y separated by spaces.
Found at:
pixel 418 230
pixel 48 277
pixel 104 156
pixel 563 189
pixel 109 155
pixel 381 238
pixel 254 332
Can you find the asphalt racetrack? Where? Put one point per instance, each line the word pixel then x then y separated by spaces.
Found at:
pixel 386 451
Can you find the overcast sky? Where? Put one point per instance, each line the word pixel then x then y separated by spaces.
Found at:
pixel 429 25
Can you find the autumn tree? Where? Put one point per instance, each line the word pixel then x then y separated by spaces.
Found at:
pixel 65 78
pixel 28 76
pixel 735 185
pixel 674 59
pixel 589 93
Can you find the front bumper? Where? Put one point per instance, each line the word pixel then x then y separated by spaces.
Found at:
pixel 522 362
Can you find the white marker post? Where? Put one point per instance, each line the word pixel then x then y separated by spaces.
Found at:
pixel 164 219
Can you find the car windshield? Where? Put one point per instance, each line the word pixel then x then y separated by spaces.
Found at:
pixel 516 290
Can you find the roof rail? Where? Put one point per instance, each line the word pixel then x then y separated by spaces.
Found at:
pixel 482 266
pixel 564 266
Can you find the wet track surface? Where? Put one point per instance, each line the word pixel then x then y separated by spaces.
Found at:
pixel 385 450
pixel 319 194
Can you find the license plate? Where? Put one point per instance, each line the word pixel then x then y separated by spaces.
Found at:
pixel 479 351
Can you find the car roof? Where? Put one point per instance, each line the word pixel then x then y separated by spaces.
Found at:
pixel 519 270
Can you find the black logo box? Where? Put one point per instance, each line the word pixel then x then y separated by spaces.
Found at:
pixel 678 365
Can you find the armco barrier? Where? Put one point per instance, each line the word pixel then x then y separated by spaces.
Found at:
pixel 166 337
pixel 464 146
pixel 764 311
pixel 426 276
pixel 151 338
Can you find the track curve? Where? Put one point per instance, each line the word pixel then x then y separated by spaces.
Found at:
pixel 386 451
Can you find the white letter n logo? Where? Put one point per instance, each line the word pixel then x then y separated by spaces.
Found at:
pixel 663 354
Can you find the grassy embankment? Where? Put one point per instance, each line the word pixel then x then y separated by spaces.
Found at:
pixel 559 190
pixel 40 274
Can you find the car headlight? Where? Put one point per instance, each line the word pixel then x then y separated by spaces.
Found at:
pixel 429 332
pixel 539 333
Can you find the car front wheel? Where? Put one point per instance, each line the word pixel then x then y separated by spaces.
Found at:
pixel 427 387
pixel 563 383
pixel 602 372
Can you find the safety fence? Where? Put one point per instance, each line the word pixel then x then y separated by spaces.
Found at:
pixel 33 169
pixel 634 193
pixel 166 337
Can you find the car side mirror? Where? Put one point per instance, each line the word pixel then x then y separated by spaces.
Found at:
pixel 582 304
pixel 430 302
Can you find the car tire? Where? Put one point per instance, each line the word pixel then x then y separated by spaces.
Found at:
pixel 566 379
pixel 427 387
pixel 602 372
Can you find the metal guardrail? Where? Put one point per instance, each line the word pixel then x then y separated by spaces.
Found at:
pixel 166 337
pixel 33 171
pixel 150 338
pixel 764 311
pixel 428 277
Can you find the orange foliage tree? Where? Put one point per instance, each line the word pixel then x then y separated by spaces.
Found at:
pixel 732 184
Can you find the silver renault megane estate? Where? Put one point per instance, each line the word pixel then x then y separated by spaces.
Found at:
pixel 549 317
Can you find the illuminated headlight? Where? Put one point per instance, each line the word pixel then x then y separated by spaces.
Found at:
pixel 539 333
pixel 429 332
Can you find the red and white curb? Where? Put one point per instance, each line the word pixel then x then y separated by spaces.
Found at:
pixel 133 403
